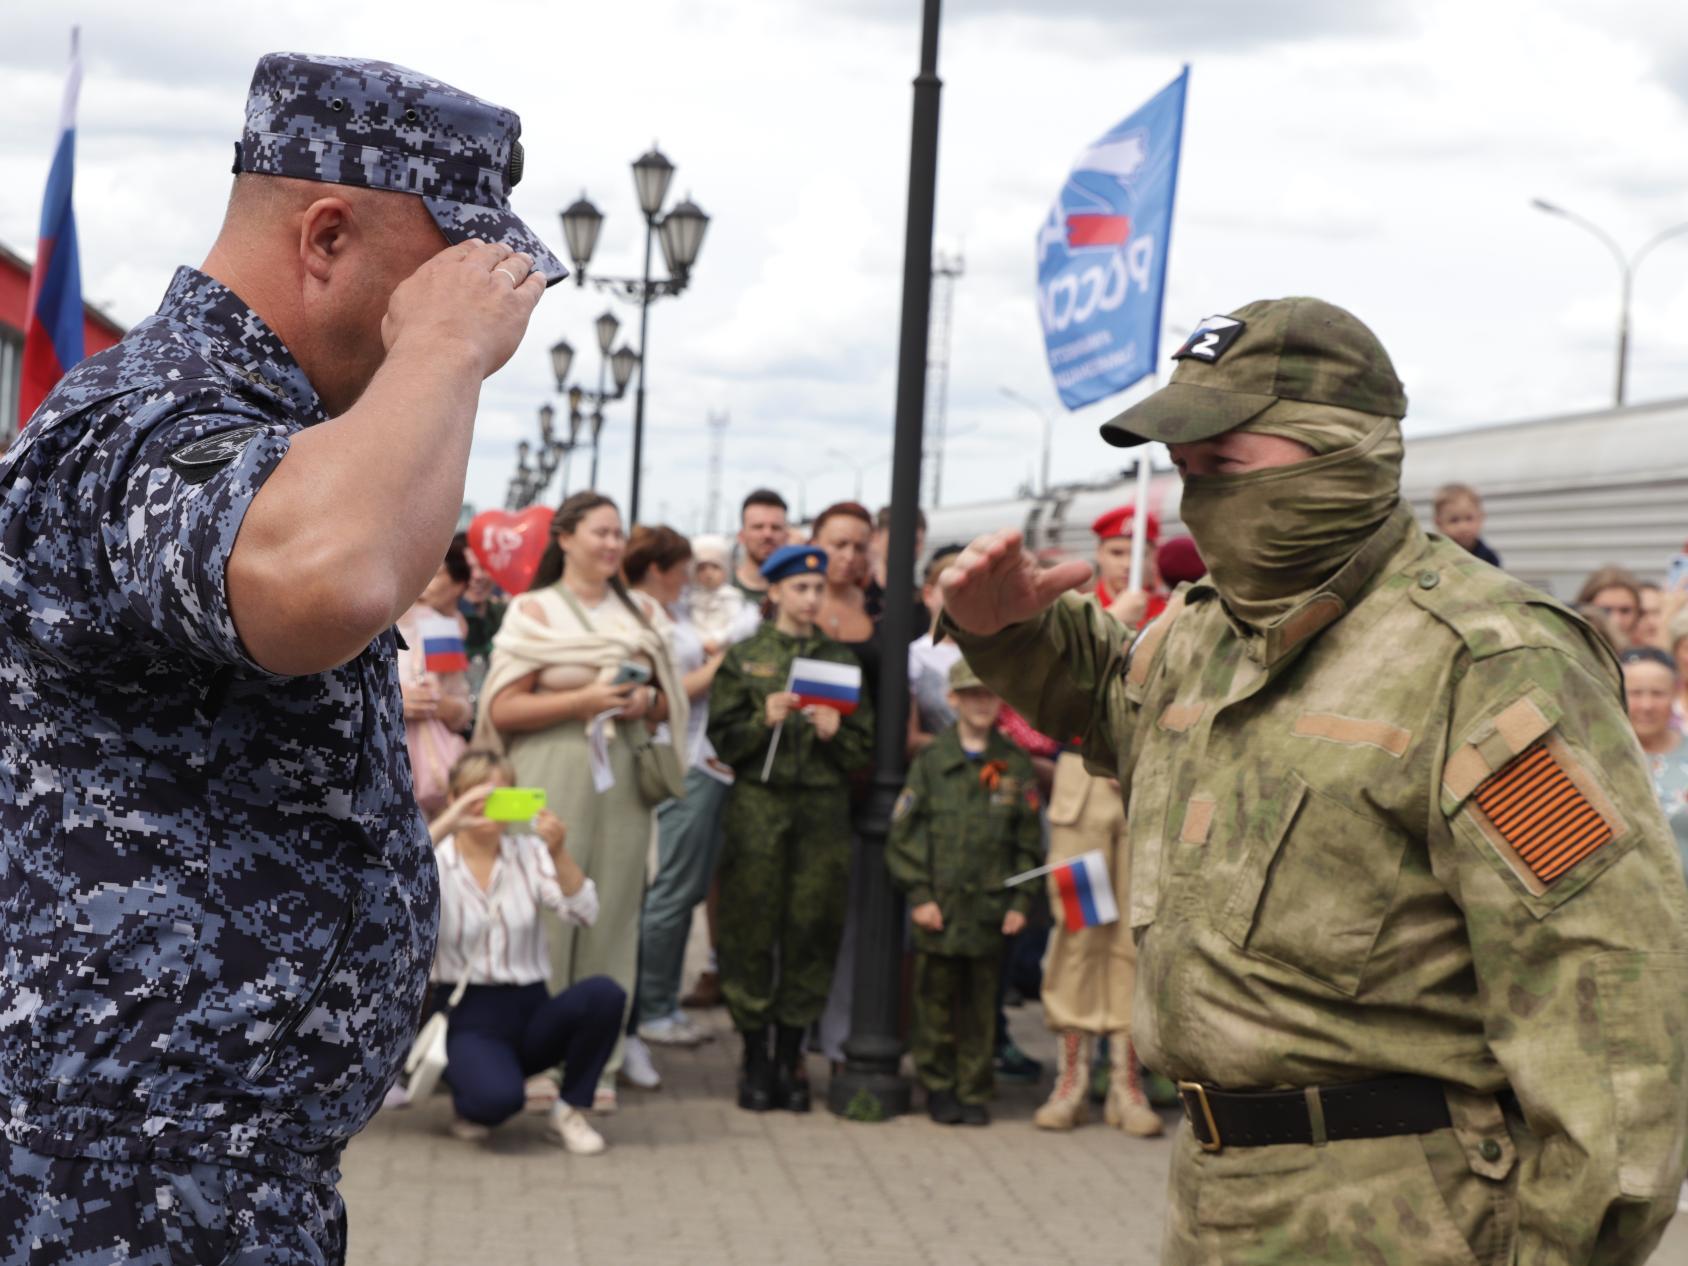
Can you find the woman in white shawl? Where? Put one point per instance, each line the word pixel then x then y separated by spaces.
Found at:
pixel 556 689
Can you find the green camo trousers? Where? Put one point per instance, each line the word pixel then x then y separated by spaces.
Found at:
pixel 784 875
pixel 955 1023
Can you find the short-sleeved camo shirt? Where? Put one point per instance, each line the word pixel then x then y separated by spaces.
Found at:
pixel 217 901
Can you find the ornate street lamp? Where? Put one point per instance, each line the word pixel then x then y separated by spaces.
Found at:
pixel 682 232
pixel 581 222
pixel 562 356
pixel 623 361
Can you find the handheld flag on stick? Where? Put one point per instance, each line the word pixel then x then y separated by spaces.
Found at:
pixel 52 339
pixel 822 683
pixel 442 644
pixel 818 683
pixel 1082 884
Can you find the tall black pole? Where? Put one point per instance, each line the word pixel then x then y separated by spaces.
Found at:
pixel 597 430
pixel 871 1088
pixel 639 398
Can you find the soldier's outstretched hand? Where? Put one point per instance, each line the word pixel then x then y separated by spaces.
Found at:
pixel 997 582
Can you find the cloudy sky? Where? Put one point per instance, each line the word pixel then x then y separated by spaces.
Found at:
pixel 1381 155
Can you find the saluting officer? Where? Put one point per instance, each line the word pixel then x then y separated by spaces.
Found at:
pixel 785 856
pixel 1411 929
pixel 217 897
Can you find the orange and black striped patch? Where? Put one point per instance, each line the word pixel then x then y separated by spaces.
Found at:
pixel 1546 819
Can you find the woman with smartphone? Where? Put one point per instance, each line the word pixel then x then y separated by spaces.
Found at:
pixel 496 876
pixel 580 678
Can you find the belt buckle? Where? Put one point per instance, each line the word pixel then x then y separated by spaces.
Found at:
pixel 1188 1090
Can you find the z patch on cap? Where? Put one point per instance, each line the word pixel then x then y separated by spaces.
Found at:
pixel 1544 817
pixel 1211 338
pixel 197 460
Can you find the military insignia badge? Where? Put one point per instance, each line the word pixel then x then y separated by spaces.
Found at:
pixel 1544 817
pixel 904 805
pixel 757 668
pixel 197 460
pixel 1211 339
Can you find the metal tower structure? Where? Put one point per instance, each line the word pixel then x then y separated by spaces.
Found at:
pixel 717 445
pixel 945 270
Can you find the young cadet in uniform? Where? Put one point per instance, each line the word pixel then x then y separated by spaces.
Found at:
pixel 217 896
pixel 966 821
pixel 1411 930
pixel 785 861
pixel 1091 973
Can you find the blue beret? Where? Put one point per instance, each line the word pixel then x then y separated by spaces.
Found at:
pixel 348 121
pixel 794 560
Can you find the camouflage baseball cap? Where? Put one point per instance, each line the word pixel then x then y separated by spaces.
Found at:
pixel 348 121
pixel 1236 366
pixel 962 676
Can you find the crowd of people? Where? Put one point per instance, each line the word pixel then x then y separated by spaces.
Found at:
pixel 640 682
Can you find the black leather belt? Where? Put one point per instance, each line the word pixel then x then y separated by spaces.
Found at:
pixel 1350 1110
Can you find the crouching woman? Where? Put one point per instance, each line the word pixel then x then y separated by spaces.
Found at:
pixel 508 1027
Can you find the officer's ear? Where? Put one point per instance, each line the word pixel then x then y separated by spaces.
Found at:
pixel 326 230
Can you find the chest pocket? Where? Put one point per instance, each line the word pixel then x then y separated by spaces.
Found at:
pixel 1312 888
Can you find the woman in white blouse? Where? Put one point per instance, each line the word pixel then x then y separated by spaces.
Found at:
pixel 508 1026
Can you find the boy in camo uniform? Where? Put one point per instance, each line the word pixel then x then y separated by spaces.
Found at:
pixel 965 822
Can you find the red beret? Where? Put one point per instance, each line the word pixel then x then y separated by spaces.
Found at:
pixel 1178 561
pixel 1113 523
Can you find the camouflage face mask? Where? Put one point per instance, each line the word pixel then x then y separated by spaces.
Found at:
pixel 1271 538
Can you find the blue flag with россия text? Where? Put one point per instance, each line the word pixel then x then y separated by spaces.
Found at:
pixel 1101 253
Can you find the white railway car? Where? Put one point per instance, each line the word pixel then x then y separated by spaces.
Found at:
pixel 1563 494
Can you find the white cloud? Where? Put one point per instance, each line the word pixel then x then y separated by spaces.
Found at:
pixel 1382 156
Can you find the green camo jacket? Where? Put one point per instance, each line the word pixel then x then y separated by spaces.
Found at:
pixel 1412 834
pixel 758 667
pixel 961 827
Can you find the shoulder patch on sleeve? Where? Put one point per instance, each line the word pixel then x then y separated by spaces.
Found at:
pixel 197 460
pixel 1543 815
pixel 904 805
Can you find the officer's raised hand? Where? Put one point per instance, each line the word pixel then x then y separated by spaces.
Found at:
pixel 476 296
pixel 996 582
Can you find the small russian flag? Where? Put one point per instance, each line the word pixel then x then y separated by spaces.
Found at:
pixel 1087 896
pixel 820 682
pixel 442 644
pixel 52 339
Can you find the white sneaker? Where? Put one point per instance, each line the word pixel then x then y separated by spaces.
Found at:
pixel 636 1065
pixel 692 1026
pixel 469 1131
pixel 670 1031
pixel 569 1126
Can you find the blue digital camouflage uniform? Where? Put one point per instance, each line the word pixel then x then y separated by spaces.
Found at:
pixel 218 903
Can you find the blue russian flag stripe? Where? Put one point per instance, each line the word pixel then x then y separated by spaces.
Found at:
pixel 1086 898
pixel 826 690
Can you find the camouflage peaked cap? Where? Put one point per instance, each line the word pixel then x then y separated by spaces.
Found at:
pixel 1234 367
pixel 348 121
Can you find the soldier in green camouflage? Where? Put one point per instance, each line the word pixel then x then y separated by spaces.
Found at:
pixel 1411 931
pixel 785 857
pixel 967 820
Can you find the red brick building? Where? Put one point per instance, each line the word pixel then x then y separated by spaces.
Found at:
pixel 98 333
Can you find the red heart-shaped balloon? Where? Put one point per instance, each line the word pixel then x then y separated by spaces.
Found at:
pixel 510 545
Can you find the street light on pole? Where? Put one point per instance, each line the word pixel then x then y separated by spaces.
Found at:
pixel 681 232
pixel 1048 430
pixel 1626 268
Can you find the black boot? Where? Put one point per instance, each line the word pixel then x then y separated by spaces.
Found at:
pixel 791 1085
pixel 756 1082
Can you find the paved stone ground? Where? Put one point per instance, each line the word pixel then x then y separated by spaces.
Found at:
pixel 691 1179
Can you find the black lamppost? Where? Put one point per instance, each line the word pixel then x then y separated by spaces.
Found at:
pixel 619 365
pixel 681 233
pixel 871 1088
